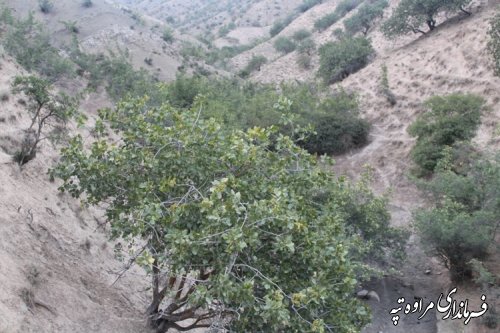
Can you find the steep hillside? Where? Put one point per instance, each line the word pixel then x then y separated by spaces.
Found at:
pixel 57 268
pixel 104 27
pixel 202 16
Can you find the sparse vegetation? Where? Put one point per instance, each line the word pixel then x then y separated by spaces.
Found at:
pixel 326 21
pixel 308 4
pixel 341 10
pixel 494 42
pixel 45 6
pixel 304 60
pixel 87 3
pixel 255 63
pixel 280 25
pixel 363 20
pixel 46 110
pixel 71 26
pixel 168 35
pixel 412 15
pixel 300 35
pixel 449 119
pixel 307 47
pixel 340 59
pixel 385 89
pixel 284 45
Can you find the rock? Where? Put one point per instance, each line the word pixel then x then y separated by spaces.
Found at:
pixel 373 295
pixel 428 272
pixel 363 293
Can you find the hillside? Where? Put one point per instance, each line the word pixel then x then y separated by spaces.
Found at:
pixel 58 270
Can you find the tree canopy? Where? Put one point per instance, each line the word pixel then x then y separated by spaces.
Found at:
pixel 240 229
pixel 411 15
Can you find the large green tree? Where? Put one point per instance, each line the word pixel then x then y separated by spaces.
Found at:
pixel 241 229
pixel 412 15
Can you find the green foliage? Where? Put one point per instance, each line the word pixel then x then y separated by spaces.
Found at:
pixel 384 86
pixel 306 47
pixel 284 45
pixel 301 34
pixel 365 16
pixel 449 119
pixel 280 25
pixel 168 35
pixel 326 21
pixel 304 61
pixel 494 42
pixel 87 3
pixel 45 6
pixel 346 6
pixel 411 15
pixel 308 4
pixel 226 207
pixel 71 26
pixel 465 215
pixel 27 42
pixel 46 110
pixel 255 63
pixel 226 29
pixel 338 127
pixel 340 59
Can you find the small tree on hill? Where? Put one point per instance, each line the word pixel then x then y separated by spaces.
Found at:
pixel 411 15
pixel 340 59
pixel 46 110
pixel 494 43
pixel 87 3
pixel 365 16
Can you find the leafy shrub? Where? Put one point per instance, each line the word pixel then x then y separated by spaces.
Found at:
pixel 384 86
pixel 45 6
pixel 246 208
pixel 346 6
pixel 71 26
pixel 255 63
pixel 87 3
pixel 450 119
pixel 300 35
pixel 284 45
pixel 411 15
pixel 365 16
pixel 338 127
pixel 326 21
pixel 168 35
pixel 494 42
pixel 340 59
pixel 307 46
pixel 463 221
pixel 280 25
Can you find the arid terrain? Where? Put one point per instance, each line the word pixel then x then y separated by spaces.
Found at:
pixel 58 270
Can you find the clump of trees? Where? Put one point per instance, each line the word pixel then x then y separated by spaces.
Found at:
pixel 463 221
pixel 494 42
pixel 449 119
pixel 344 57
pixel 216 210
pixel 326 21
pixel 363 20
pixel 412 15
pixel 47 110
pixel 341 10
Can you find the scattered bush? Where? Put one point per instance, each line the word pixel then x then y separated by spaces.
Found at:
pixel 307 47
pixel 340 59
pixel 71 26
pixel 365 16
pixel 284 45
pixel 326 21
pixel 411 15
pixel 280 25
pixel 300 35
pixel 346 6
pixel 87 3
pixel 255 63
pixel 384 87
pixel 45 6
pixel 494 42
pixel 449 119
pixel 465 217
pixel 168 35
